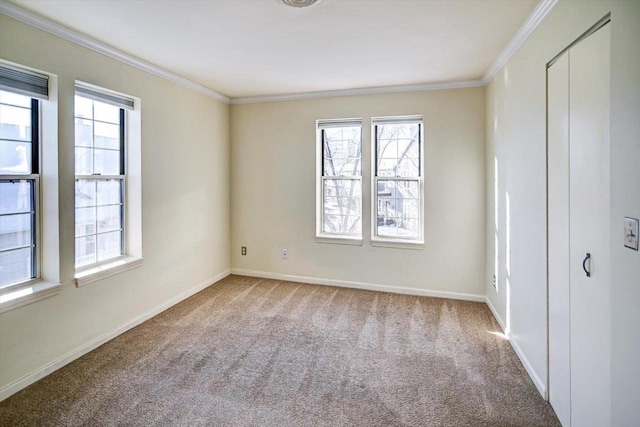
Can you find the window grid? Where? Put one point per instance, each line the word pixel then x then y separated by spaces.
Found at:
pixel 19 189
pixel 398 181
pixel 100 231
pixel 341 181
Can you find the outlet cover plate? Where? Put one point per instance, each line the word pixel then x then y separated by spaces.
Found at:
pixel 631 233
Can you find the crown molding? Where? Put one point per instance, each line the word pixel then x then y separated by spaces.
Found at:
pixel 539 13
pixel 30 18
pixel 357 92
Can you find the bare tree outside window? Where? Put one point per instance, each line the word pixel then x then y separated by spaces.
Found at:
pixel 341 180
pixel 398 179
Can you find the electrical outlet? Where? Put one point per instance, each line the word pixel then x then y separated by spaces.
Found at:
pixel 285 254
pixel 243 251
pixel 631 233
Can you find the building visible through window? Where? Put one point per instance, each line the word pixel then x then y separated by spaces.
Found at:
pixel 398 179
pixel 19 185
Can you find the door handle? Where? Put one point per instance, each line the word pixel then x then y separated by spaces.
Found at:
pixel 584 264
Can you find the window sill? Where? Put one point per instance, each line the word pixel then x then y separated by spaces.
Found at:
pixel 103 271
pixel 398 244
pixel 354 241
pixel 23 295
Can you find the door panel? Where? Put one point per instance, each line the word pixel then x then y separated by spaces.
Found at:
pixel 558 234
pixel 589 77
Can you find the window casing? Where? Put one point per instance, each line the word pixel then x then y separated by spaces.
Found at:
pixel 339 189
pixel 100 181
pixel 19 189
pixel 397 181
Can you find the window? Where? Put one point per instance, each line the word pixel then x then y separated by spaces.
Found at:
pixel 101 178
pixel 339 201
pixel 20 91
pixel 19 153
pixel 397 180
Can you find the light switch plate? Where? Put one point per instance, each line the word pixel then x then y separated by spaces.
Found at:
pixel 631 233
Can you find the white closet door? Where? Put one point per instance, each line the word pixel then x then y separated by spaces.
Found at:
pixel 589 80
pixel 558 205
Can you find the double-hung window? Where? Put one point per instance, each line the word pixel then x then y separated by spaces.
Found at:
pixel 397 203
pixel 19 175
pixel 100 176
pixel 339 201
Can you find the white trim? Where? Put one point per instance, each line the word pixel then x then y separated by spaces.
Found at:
pixel 76 37
pixel 532 22
pixel 539 13
pixel 45 370
pixel 542 389
pixel 359 285
pixel 35 291
pixel 339 240
pixel 357 92
pixel 108 269
pixel 496 315
pixel 397 243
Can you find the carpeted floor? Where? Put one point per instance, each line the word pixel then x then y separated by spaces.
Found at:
pixel 256 352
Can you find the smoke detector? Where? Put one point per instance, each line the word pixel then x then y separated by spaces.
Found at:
pixel 300 3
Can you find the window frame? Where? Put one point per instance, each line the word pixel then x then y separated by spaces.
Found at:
pixel 321 235
pixel 122 178
pixel 34 179
pixel 131 185
pixel 387 241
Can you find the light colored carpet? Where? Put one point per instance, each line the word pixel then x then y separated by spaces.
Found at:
pixel 256 352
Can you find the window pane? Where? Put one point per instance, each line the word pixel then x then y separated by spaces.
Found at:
pixel 85 221
pixel 398 209
pixel 15 157
pixel 342 188
pixel 107 162
pixel 107 136
pixel 84 161
pixel 15 231
pixel 109 192
pixel 15 122
pixel 85 193
pixel 16 196
pixel 398 150
pixel 342 208
pixel 109 245
pixel 108 218
pixel 83 107
pixel 84 133
pixel 85 250
pixel 342 151
pixel 16 266
pixel 106 113
pixel 15 99
pixel 342 224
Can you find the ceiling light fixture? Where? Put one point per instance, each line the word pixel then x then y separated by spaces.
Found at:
pixel 300 3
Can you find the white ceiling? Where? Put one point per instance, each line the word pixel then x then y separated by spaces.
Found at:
pixel 261 47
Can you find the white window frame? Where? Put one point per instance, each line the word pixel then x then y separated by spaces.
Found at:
pixel 396 242
pixel 131 256
pixel 46 282
pixel 321 236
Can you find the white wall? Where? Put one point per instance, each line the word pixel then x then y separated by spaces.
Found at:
pixel 273 192
pixel 185 209
pixel 516 135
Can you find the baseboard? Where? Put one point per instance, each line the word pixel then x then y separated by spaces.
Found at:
pixel 542 389
pixel 45 370
pixel 496 315
pixel 359 285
